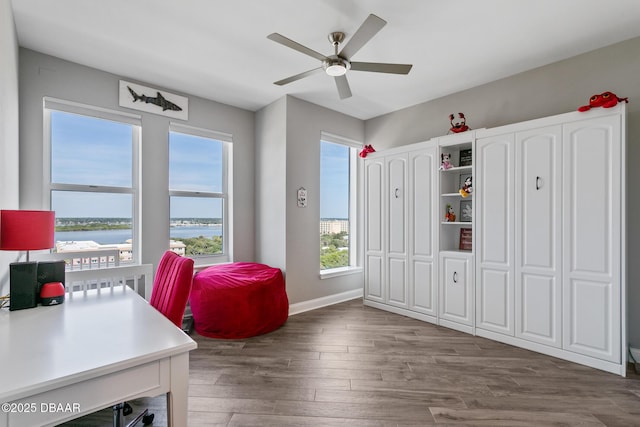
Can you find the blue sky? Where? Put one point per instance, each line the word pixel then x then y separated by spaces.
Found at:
pixel 334 177
pixel 89 151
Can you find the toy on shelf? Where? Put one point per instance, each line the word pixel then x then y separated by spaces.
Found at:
pixel 450 216
pixel 467 187
pixel 445 161
pixel 458 124
pixel 604 100
pixel 366 150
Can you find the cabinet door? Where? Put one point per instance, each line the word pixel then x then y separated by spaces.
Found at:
pixel 374 229
pixel 494 230
pixel 538 290
pixel 397 230
pixel 422 243
pixel 592 235
pixel 455 295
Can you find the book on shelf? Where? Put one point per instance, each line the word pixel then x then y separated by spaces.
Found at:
pixel 466 242
pixel 465 157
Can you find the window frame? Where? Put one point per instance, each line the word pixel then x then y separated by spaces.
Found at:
pixel 135 120
pixel 225 195
pixel 355 264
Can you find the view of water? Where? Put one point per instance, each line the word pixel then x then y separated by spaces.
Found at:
pixel 105 237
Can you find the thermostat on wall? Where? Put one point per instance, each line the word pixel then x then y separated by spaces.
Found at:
pixel 302 197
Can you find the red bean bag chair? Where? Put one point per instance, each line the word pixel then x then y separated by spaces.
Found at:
pixel 238 300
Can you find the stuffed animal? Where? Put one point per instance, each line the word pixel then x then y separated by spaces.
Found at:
pixel 366 150
pixel 450 216
pixel 458 124
pixel 445 161
pixel 467 187
pixel 604 100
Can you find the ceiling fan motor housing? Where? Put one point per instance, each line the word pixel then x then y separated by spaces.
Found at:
pixel 335 66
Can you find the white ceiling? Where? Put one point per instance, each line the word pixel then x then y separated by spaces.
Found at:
pixel 218 49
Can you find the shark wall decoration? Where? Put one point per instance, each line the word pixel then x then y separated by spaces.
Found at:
pixel 142 98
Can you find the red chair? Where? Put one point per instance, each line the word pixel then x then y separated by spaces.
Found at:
pixel 171 288
pixel 172 285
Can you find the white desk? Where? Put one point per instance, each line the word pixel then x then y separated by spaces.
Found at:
pixel 93 351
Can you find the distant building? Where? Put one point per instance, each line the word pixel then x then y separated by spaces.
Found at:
pixel 124 249
pixel 333 226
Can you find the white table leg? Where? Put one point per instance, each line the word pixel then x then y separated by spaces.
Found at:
pixel 178 396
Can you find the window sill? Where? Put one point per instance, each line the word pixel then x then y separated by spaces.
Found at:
pixel 342 271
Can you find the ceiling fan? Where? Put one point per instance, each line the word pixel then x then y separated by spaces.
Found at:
pixel 339 63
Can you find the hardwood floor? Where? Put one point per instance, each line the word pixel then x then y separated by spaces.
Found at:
pixel 353 365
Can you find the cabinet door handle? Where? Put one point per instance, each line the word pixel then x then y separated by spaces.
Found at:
pixel 538 183
pixel 396 192
pixel 455 277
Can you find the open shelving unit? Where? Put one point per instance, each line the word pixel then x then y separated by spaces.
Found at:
pixel 459 147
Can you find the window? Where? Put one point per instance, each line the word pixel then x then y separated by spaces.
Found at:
pixel 337 203
pixel 199 194
pixel 92 156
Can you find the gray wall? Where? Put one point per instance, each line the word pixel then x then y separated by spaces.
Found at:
pixel 42 75
pixel 305 122
pixel 271 155
pixel 556 88
pixel 8 127
pixel 288 157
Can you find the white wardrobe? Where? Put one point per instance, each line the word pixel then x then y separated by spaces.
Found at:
pixel 400 230
pixel 547 266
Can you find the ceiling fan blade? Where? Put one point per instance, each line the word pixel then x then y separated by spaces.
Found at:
pixel 378 67
pixel 343 87
pixel 279 38
pixel 297 77
pixel 367 30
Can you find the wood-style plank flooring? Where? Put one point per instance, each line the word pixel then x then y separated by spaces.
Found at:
pixel 350 365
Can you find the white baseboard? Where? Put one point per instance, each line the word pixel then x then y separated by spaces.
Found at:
pixel 301 307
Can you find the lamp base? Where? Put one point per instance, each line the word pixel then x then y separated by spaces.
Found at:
pixel 23 285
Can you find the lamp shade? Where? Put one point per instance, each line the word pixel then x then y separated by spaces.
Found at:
pixel 24 230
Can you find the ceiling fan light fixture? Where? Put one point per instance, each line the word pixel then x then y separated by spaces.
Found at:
pixel 336 66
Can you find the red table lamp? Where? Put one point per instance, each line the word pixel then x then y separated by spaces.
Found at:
pixel 24 230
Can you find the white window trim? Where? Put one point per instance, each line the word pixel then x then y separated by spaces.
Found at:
pixel 225 195
pixel 355 264
pixel 134 120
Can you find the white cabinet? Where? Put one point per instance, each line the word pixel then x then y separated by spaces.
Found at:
pixel 550 236
pixel 400 237
pixel 546 267
pixel 456 295
pixel 374 272
pixel 593 244
pixel 494 199
pixel 422 238
pixel 538 281
pixel 396 267
pixel 456 235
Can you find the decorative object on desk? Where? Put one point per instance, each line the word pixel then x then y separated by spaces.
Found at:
pixel 50 272
pixel 458 124
pixel 466 211
pixel 366 150
pixel 604 100
pixel 466 236
pixel 466 185
pixel 465 157
pixel 450 215
pixel 52 293
pixel 152 100
pixel 25 230
pixel 445 161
